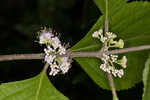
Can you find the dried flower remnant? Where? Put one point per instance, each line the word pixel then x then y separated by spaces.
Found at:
pixel 54 48
pixel 109 59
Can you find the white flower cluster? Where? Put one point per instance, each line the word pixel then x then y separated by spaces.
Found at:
pixel 109 67
pixel 54 48
pixel 109 60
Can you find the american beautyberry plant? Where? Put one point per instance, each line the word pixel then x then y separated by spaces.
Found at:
pixel 105 54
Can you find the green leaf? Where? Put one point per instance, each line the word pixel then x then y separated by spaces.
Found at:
pixel 37 88
pixel 113 6
pixel 131 23
pixel 146 80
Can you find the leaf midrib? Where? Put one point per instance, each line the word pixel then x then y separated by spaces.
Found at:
pixel 40 84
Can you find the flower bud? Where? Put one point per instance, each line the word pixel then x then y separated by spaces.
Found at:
pixel 45 38
pixel 97 34
pixel 119 44
pixel 123 62
pixel 110 35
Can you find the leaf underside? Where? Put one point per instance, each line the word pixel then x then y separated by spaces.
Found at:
pixel 130 21
pixel 37 88
pixel 146 80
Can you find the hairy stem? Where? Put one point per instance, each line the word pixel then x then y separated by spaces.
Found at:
pixel 112 85
pixel 96 54
pixel 106 30
pixel 125 50
pixel 21 57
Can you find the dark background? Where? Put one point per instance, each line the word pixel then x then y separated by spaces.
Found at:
pixel 20 20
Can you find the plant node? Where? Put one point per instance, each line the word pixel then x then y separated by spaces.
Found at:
pixel 109 41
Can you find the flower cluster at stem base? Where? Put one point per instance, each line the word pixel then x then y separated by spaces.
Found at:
pixel 109 41
pixel 54 48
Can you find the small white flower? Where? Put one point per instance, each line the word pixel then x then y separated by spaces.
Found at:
pixel 103 39
pixel 62 50
pixel 49 49
pixel 65 67
pixel 114 73
pixel 45 38
pixel 49 58
pixel 120 73
pixel 97 34
pixel 108 70
pixel 53 72
pixel 100 31
pixel 114 58
pixel 105 57
pixel 55 42
pixel 110 35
